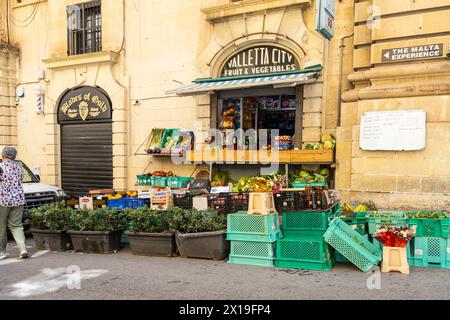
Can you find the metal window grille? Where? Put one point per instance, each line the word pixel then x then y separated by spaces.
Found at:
pixel 84 25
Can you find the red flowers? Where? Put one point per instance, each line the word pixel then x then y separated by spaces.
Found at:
pixel 391 236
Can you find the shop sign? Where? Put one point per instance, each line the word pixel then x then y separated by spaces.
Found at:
pixel 393 130
pixel 413 52
pixel 325 18
pixel 84 104
pixel 259 61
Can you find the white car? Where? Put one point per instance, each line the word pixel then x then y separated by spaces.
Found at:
pixel 36 193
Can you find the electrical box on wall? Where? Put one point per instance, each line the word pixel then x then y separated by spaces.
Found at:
pixel 325 13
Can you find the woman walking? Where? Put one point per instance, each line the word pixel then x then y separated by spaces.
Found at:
pixel 12 201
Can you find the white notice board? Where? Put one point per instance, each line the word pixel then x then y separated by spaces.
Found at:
pixel 393 130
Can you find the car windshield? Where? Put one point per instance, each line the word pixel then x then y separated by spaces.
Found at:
pixel 28 176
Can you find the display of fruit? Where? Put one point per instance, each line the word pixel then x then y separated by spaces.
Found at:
pixel 162 173
pixel 115 197
pixel 359 208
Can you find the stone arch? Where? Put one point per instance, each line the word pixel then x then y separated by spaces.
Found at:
pixel 219 59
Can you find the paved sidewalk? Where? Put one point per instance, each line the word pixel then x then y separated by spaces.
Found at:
pixel 123 276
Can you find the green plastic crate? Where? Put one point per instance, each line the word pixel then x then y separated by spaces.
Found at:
pixel 445 228
pixel 124 238
pixel 352 245
pixel 305 252
pixel 159 182
pixel 430 227
pixel 252 261
pixel 317 266
pixel 307 220
pixel 178 182
pixel 246 227
pixel 358 223
pixel 298 185
pixel 340 258
pixel 430 252
pixel 252 253
pixel 398 219
pixel 253 250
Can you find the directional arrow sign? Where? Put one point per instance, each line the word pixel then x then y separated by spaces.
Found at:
pixel 426 51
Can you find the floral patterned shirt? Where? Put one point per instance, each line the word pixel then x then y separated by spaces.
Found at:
pixel 11 189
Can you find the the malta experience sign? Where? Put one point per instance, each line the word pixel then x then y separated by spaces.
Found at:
pixel 259 61
pixel 84 104
pixel 413 52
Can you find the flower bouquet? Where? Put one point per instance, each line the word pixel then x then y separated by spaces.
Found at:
pixel 395 240
pixel 391 236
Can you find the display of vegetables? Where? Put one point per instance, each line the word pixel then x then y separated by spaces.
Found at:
pixel 155 141
pixel 426 215
pixel 260 184
pixel 382 215
pixel 318 176
pixel 220 179
pixel 328 142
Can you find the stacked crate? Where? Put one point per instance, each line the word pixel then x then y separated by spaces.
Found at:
pixel 253 238
pixel 430 248
pixel 303 246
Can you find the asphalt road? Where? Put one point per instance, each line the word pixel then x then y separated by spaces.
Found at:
pixel 56 276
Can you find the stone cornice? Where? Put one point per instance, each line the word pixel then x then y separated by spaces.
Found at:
pixel 82 59
pixel 233 9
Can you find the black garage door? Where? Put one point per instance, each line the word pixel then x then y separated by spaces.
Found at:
pixel 86 157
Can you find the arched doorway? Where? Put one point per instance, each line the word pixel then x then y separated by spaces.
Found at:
pixel 85 117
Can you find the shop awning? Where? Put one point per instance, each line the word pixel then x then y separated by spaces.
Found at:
pixel 210 86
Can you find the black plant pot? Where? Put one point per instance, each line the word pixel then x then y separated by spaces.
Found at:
pixel 152 244
pixel 96 241
pixel 205 245
pixel 51 240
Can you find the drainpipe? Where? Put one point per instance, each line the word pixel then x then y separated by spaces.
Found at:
pixel 341 67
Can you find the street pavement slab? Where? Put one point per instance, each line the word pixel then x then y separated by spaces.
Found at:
pixel 62 276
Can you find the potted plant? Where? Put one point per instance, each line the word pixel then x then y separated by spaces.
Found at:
pixel 49 227
pixel 97 231
pixel 201 234
pixel 150 232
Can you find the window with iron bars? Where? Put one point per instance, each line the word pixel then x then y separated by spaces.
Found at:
pixel 84 26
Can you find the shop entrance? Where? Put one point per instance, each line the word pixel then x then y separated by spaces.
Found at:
pixel 86 157
pixel 85 116
pixel 262 109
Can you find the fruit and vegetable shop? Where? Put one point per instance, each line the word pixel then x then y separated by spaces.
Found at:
pixel 258 193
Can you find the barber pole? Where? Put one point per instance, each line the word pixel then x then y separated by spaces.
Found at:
pixel 40 104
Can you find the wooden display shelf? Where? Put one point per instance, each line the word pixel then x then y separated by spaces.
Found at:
pixel 261 156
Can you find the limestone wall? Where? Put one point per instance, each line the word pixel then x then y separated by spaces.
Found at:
pixel 397 180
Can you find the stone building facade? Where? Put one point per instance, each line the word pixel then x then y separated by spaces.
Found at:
pixel 150 47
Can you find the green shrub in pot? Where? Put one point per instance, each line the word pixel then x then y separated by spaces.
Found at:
pixel 97 231
pixel 52 217
pixel 146 220
pixel 200 234
pixel 151 232
pixel 49 226
pixel 101 220
pixel 195 221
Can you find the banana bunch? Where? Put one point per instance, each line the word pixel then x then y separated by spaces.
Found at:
pixel 347 208
pixel 361 208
